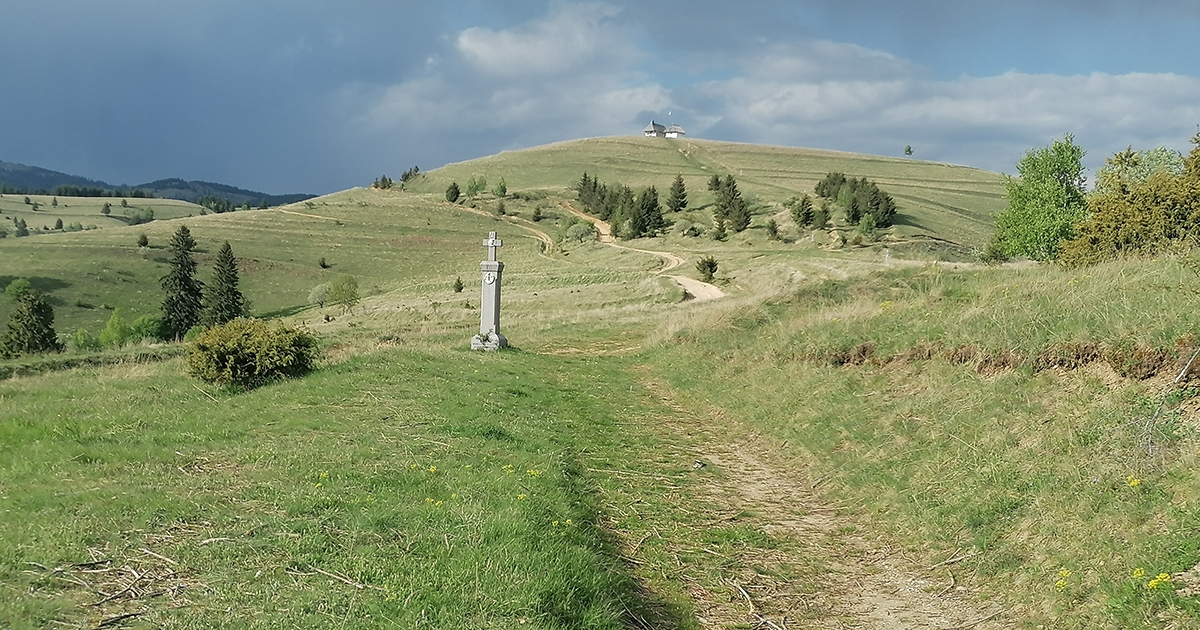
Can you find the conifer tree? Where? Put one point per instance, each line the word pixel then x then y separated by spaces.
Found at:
pixel 30 328
pixel 22 229
pixel 647 219
pixel 677 201
pixel 223 302
pixel 802 212
pixel 183 303
pixel 452 192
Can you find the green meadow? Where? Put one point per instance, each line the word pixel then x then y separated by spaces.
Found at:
pixel 86 211
pixel 944 201
pixel 851 437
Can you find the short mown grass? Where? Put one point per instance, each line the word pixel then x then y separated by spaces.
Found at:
pixel 401 488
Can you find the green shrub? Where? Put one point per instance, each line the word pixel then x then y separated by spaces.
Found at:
pixel 147 327
pixel 194 332
pixel 18 288
pixel 248 353
pixel 85 341
pixel 116 332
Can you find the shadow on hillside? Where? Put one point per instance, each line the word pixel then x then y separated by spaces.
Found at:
pixel 286 311
pixel 903 219
pixel 40 284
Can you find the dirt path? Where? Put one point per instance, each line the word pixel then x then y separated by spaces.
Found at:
pixel 301 214
pixel 547 243
pixel 699 291
pixel 868 584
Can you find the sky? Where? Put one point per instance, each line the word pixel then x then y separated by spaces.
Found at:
pixel 291 96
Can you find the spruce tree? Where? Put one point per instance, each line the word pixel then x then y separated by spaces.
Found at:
pixel 183 303
pixel 30 328
pixel 22 229
pixel 223 302
pixel 802 212
pixel 677 201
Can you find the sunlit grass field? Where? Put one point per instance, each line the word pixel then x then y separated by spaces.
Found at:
pixel 409 482
pixel 84 210
pixel 950 202
pixel 1061 487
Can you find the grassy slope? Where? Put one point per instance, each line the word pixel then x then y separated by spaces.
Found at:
pixel 84 210
pixel 454 486
pixel 1028 471
pixel 390 241
pixel 949 202
pixel 1032 474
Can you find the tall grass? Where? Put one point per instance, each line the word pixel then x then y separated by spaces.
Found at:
pixel 1043 478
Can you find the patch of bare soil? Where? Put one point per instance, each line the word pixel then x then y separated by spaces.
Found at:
pixel 863 581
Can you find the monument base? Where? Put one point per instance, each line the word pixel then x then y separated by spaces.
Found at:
pixel 491 341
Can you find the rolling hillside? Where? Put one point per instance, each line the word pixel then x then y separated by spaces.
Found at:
pixel 943 201
pixel 846 439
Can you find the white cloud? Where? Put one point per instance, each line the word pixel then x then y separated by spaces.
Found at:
pixel 876 103
pixel 571 73
pixel 568 38
pixel 577 71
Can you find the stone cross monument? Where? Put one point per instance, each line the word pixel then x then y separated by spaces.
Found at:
pixel 489 337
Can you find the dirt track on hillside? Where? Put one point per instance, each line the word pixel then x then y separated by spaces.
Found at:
pixel 869 585
pixel 695 289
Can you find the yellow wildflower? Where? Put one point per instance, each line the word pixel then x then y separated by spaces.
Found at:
pixel 1060 585
pixel 1064 573
pixel 521 497
pixel 1138 573
pixel 1133 481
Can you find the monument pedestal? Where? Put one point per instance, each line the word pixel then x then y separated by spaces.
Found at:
pixel 489 337
pixel 493 341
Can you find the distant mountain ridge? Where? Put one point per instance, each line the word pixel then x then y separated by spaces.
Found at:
pixel 32 179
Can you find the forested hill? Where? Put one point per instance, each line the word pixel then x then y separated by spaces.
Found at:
pixel 20 178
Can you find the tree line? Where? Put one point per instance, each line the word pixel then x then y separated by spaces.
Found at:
pixel 67 190
pixel 632 215
pixel 1144 202
pixel 188 304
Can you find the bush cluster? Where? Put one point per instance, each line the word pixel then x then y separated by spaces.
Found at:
pixel 859 198
pixel 248 353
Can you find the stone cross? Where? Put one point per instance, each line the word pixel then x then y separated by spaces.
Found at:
pixel 491 242
pixel 489 337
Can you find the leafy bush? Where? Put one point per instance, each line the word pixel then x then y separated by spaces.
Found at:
pixel 146 327
pixel 85 341
pixel 18 288
pixel 319 295
pixel 581 231
pixel 248 353
pixel 116 332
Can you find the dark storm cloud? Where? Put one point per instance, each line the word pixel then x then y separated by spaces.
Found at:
pixel 317 96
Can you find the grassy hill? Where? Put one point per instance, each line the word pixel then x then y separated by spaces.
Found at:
pixel 845 433
pixel 940 200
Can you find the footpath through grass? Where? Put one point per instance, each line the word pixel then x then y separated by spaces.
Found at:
pixel 927 399
pixel 400 489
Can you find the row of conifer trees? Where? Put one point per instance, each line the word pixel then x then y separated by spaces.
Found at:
pixel 187 303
